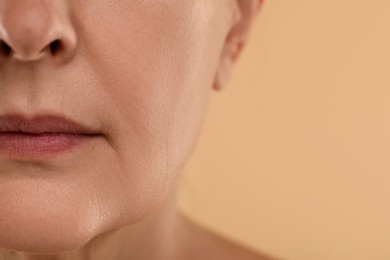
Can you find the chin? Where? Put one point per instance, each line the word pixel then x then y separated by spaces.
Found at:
pixel 60 207
pixel 39 216
pixel 42 232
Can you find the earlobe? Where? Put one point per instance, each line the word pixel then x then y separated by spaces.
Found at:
pixel 229 58
pixel 236 40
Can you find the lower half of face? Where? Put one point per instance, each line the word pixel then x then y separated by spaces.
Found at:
pixel 142 73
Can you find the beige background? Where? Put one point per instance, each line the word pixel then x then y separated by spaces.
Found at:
pixel 295 155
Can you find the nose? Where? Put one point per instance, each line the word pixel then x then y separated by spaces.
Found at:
pixel 32 29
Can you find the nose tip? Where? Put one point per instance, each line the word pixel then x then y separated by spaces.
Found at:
pixel 32 29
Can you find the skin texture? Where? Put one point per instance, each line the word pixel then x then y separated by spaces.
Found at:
pixel 140 73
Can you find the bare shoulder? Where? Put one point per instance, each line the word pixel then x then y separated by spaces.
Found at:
pixel 200 243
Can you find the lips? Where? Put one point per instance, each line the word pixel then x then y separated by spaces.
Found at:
pixel 43 124
pixel 41 135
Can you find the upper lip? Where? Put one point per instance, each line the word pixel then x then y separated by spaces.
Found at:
pixel 41 124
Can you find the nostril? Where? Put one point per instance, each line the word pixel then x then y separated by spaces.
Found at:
pixel 5 48
pixel 55 46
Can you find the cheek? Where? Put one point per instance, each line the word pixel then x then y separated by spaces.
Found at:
pixel 154 73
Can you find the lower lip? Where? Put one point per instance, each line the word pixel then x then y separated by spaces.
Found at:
pixel 41 145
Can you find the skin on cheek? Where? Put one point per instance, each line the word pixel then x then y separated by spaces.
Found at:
pixel 153 71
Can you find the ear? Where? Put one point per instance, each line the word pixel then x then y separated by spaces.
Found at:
pixel 236 39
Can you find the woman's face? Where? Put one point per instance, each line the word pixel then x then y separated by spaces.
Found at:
pixel 139 73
